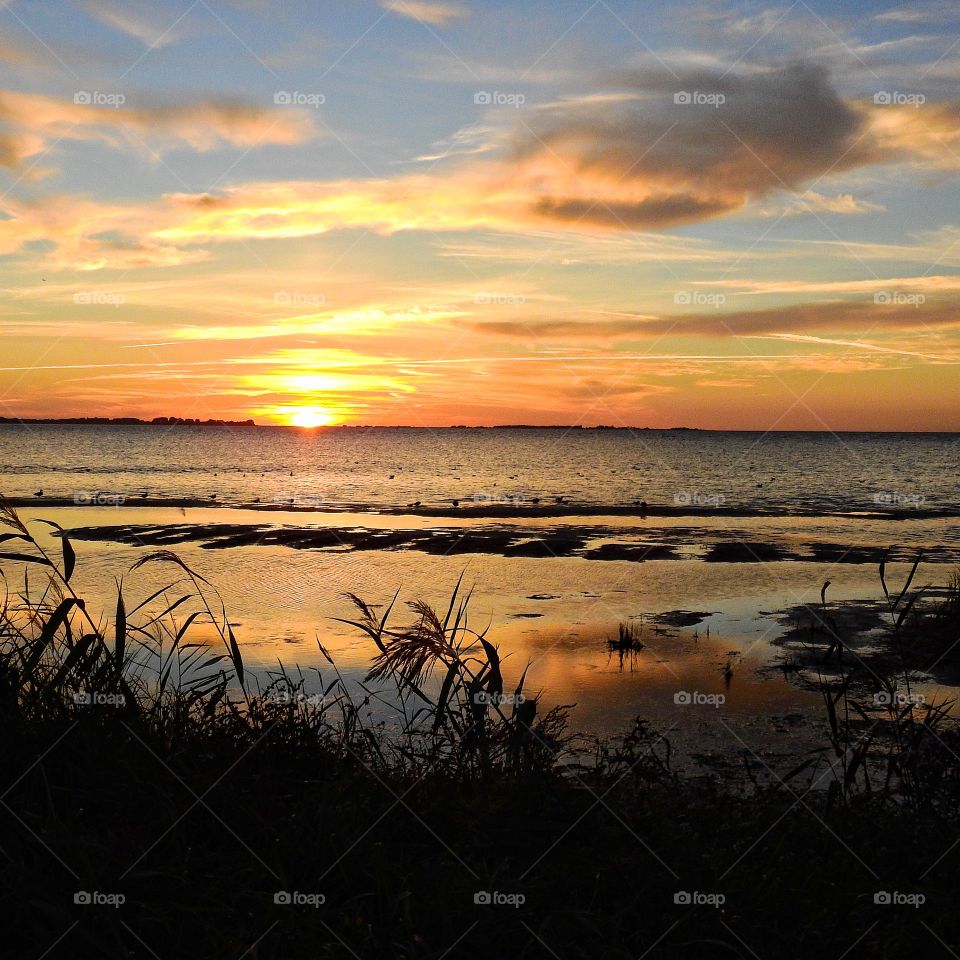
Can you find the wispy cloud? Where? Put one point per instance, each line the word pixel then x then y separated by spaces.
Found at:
pixel 153 24
pixel 810 202
pixel 886 315
pixel 34 124
pixel 427 11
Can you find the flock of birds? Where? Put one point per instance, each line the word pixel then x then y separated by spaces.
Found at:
pixel 559 498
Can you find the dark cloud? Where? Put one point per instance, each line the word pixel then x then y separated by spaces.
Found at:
pixel 731 139
pixel 856 316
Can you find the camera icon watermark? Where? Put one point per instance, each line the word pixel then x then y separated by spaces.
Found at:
pixel 696 498
pixel 298 298
pixel 698 98
pixel 296 898
pixel 96 498
pixel 97 98
pixel 697 298
pixel 294 697
pixel 886 298
pixel 484 496
pixel 894 498
pixel 694 698
pixel 95 698
pixel 500 299
pixel 896 98
pixel 696 898
pixel 485 98
pixel 894 898
pixel 97 298
pixel 94 898
pixel 494 898
pixel 486 698
pixel 896 698
pixel 298 98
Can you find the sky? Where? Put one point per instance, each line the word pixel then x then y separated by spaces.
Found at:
pixel 716 215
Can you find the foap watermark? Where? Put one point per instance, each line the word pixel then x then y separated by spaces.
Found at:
pixel 897 98
pixel 99 98
pixel 896 698
pixel 298 298
pixel 299 98
pixel 96 498
pixel 698 298
pixel 292 498
pixel 694 698
pixel 498 699
pixel 897 298
pixel 484 496
pixel 296 898
pixel 697 498
pixel 495 898
pixel 293 697
pixel 500 299
pixel 698 98
pixel 94 698
pixel 894 898
pixel 497 98
pixel 98 298
pixel 96 898
pixel 697 898
pixel 894 498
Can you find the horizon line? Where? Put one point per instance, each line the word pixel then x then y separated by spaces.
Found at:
pixel 248 423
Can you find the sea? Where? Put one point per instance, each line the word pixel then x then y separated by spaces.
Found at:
pixel 713 544
pixel 374 467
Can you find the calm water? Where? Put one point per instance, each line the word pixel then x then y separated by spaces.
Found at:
pixel 788 472
pixel 553 611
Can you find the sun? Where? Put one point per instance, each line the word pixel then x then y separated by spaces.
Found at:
pixel 310 417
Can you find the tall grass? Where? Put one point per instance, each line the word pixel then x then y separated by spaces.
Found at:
pixel 888 740
pixel 143 756
pixel 157 661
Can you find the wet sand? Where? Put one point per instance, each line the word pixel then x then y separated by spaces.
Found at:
pixel 706 594
pixel 591 542
pixel 470 508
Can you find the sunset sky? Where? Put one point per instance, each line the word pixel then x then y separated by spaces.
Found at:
pixel 718 215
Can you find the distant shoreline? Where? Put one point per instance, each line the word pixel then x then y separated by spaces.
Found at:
pixel 127 422
pixel 605 428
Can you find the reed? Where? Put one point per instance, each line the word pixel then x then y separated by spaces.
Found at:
pixel 143 757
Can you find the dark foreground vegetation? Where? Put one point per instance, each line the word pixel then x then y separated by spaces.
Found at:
pixel 158 802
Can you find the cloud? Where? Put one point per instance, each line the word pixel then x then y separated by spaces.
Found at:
pixel 622 160
pixel 637 157
pixel 355 323
pixel 919 13
pixel 12 54
pixel 894 314
pixel 811 202
pixel 144 21
pixel 31 123
pixel 426 11
pixel 926 283
pixel 927 134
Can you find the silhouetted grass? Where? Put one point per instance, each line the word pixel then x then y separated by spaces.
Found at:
pixel 140 758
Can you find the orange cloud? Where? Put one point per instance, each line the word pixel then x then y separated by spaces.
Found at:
pixel 646 155
pixel 886 311
pixel 31 123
